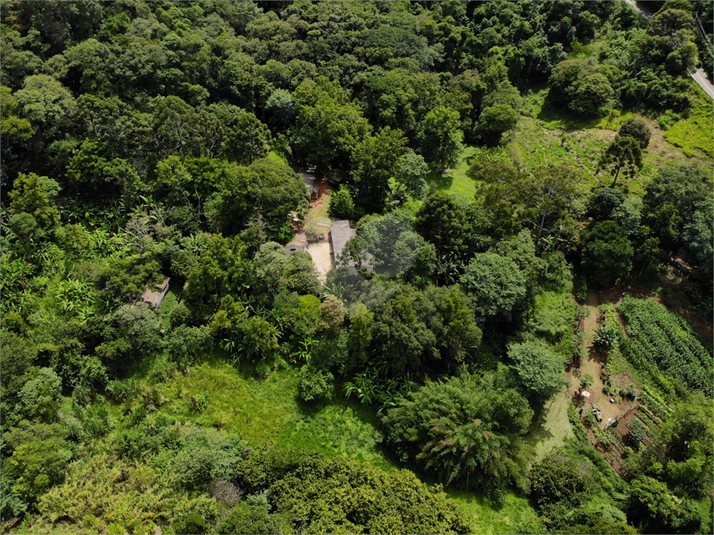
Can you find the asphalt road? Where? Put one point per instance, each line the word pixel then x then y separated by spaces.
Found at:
pixel 701 78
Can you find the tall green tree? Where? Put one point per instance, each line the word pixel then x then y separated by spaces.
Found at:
pixel 246 139
pixel 463 430
pixel 47 104
pixel 607 253
pixel 36 466
pixel 411 175
pixel 654 508
pixel 35 195
pixel 636 128
pixel 623 154
pixel 440 138
pixel 495 121
pixel 441 221
pixel 376 160
pixel 539 370
pixel 328 126
pixel 496 283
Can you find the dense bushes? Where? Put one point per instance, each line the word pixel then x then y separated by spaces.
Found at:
pixel 463 430
pixel 151 140
pixel 315 494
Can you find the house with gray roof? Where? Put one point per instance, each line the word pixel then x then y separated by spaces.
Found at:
pixel 340 234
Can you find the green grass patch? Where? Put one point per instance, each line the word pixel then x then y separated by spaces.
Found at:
pixel 456 181
pixel 694 134
pixel 483 518
pixel 538 145
pixel 318 217
pixel 268 413
pixel 543 133
pixel 168 304
pixel 538 140
pixel 277 158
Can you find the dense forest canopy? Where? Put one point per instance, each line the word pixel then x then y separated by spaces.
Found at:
pixel 509 169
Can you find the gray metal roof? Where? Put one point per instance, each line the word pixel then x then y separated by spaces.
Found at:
pixel 340 234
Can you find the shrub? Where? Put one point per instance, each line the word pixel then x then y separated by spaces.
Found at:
pixel 192 524
pixel 315 383
pixel 341 204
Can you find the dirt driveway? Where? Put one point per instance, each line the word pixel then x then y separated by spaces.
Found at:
pixel 322 258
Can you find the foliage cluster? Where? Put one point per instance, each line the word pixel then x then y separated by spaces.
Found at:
pixel 148 140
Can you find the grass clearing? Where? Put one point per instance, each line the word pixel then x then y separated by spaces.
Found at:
pixel 538 140
pixel 554 427
pixel 542 134
pixel 456 181
pixel 167 305
pixel 539 145
pixel 694 134
pixel 277 158
pixel 318 218
pixel 484 519
pixel 267 412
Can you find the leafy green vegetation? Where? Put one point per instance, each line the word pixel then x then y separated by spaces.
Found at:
pixel 693 133
pixel 419 368
pixel 270 414
pixel 658 337
pixel 456 181
pixel 514 511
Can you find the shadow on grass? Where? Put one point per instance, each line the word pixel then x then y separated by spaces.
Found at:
pixel 440 181
pixel 484 516
pixel 559 116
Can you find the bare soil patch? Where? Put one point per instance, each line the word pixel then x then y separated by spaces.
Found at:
pixel 321 253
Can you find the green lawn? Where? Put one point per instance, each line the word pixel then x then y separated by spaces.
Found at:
pixel 485 519
pixel 268 412
pixel 318 217
pixel 538 140
pixel 169 302
pixel 537 145
pixel 456 181
pixel 277 158
pixel 694 134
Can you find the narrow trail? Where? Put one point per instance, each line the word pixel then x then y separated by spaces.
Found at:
pixel 592 365
pixel 556 427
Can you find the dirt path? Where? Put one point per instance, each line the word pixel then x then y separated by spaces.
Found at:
pixel 593 366
pixel 322 258
pixel 318 222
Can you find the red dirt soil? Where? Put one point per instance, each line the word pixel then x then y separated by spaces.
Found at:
pixel 323 189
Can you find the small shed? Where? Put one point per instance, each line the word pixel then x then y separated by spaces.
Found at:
pixel 311 182
pixel 340 234
pixel 297 244
pixel 155 293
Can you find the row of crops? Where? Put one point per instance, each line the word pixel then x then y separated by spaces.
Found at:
pixel 663 345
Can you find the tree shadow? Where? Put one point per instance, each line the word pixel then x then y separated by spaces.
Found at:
pixel 552 113
pixel 440 181
pixel 537 432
